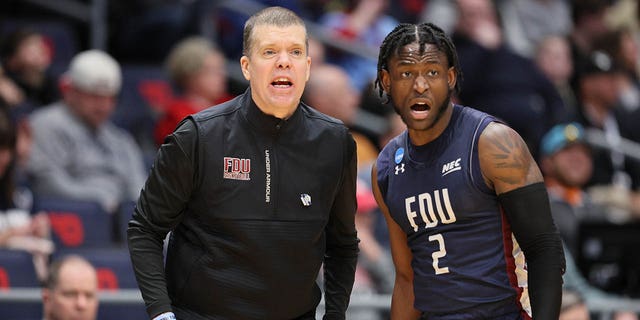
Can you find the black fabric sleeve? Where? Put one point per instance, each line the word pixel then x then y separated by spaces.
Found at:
pixel 529 215
pixel 161 201
pixel 342 242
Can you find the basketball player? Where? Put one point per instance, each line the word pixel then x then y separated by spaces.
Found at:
pixel 454 187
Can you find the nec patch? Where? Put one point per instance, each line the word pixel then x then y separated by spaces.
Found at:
pixel 236 168
pixel 451 167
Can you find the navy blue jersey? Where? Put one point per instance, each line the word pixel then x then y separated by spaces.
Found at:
pixel 466 262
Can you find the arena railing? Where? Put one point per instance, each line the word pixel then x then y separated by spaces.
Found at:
pixel 602 309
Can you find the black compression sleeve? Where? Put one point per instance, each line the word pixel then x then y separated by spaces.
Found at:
pixel 529 215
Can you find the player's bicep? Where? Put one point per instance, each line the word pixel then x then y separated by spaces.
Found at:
pixel 505 159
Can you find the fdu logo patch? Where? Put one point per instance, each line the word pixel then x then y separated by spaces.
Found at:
pixel 236 168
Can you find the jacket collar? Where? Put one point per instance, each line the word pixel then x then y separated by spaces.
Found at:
pixel 268 123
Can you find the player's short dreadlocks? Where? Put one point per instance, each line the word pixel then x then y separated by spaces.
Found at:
pixel 424 33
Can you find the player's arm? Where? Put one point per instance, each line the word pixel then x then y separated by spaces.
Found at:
pixel 508 167
pixel 402 297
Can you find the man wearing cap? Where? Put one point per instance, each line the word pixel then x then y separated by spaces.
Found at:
pixel 77 152
pixel 567 166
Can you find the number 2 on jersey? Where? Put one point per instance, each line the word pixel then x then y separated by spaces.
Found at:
pixel 442 251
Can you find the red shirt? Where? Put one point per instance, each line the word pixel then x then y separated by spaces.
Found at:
pixel 177 110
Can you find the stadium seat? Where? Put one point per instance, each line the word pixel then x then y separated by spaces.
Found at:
pixel 124 215
pixel 77 223
pixel 16 269
pixel 608 256
pixel 145 92
pixel 22 310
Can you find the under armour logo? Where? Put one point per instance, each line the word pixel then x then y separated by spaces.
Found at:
pixel 306 199
pixel 399 168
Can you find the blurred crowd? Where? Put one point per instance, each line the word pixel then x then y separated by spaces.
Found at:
pixel 564 74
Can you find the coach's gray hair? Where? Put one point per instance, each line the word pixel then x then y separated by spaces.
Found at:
pixel 273 16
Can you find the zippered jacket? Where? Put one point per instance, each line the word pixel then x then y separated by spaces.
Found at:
pixel 255 206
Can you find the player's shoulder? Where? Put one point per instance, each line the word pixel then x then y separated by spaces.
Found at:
pixel 392 153
pixel 472 114
pixel 498 132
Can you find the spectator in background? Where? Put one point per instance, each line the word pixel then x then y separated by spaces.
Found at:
pixel 10 94
pixel 198 69
pixel 499 81
pixel 588 17
pixel 527 22
pixel 317 52
pixel 26 60
pixel 573 306
pixel 78 153
pixel 553 57
pixel 330 92
pixel 567 167
pixel 71 290
pixel 364 22
pixel 616 178
pixel 622 47
pixel 12 101
pixel 19 230
pixel 624 14
pixel 442 13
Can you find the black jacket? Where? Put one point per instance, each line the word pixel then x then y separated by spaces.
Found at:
pixel 255 204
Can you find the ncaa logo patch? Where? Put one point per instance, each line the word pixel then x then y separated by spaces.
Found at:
pixel 398 159
pixel 399 155
pixel 237 168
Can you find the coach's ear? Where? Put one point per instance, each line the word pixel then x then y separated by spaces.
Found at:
pixel 244 66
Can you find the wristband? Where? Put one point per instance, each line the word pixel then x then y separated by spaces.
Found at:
pixel 165 316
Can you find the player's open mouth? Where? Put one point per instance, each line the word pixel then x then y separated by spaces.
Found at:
pixel 282 83
pixel 420 107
